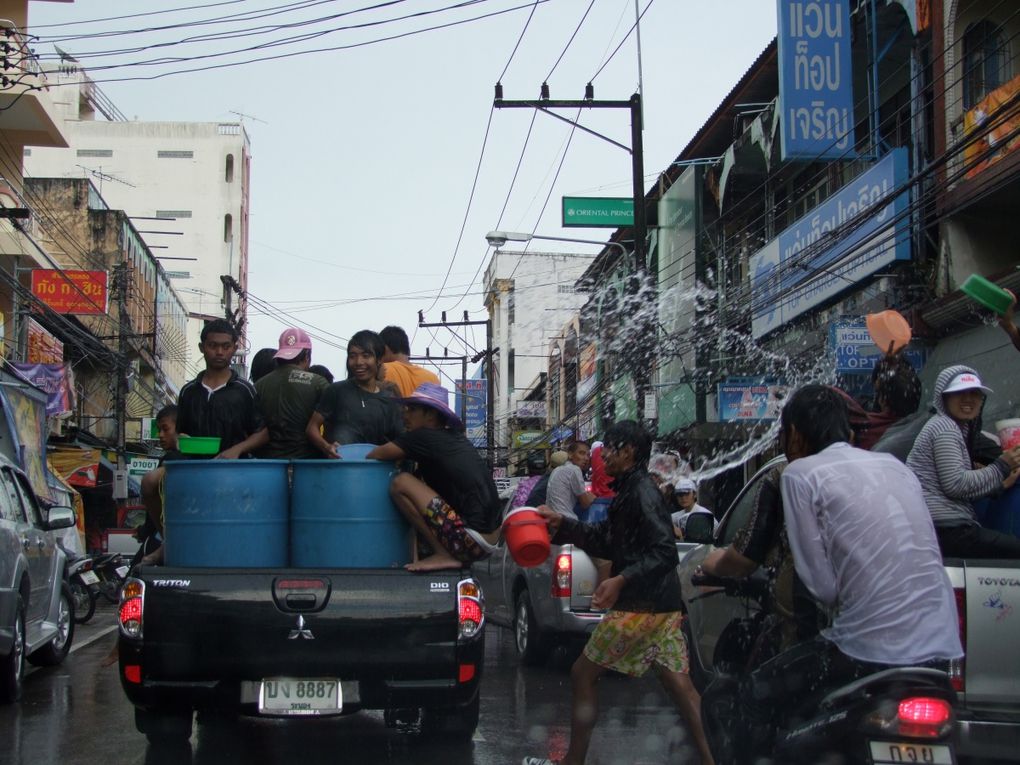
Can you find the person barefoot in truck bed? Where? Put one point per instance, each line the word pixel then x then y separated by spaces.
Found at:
pixel 454 506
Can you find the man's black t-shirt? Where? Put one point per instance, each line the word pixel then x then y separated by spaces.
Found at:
pixel 355 416
pixel 230 412
pixel 451 466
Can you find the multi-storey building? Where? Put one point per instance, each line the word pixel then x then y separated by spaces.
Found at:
pixel 186 184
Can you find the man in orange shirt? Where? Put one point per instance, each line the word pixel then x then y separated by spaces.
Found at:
pixel 397 368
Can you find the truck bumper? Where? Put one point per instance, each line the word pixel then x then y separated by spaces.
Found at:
pixel 241 695
pixel 987 738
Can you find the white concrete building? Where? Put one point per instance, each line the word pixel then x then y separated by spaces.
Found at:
pixel 530 296
pixel 184 184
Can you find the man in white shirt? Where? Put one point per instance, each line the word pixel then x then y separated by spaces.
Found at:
pixel 864 546
pixel 566 483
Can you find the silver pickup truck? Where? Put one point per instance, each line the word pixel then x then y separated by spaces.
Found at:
pixel 987 680
pixel 546 606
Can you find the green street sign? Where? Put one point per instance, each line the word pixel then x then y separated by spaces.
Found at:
pixel 598 212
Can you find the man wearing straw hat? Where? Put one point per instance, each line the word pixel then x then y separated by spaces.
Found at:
pixel 454 505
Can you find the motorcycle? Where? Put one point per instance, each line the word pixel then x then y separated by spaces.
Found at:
pixel 894 715
pixel 82 581
pixel 111 571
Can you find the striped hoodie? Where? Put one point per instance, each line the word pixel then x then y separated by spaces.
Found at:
pixel 943 465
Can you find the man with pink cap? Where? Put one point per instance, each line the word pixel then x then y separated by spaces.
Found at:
pixel 454 505
pixel 287 398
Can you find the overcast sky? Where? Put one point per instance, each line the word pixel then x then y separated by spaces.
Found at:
pixel 363 159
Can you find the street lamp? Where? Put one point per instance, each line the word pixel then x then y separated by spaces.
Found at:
pixel 498 238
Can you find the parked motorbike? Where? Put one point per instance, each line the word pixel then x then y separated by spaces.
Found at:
pixel 83 582
pixel 892 716
pixel 111 570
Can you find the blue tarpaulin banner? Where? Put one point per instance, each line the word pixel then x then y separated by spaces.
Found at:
pixel 815 80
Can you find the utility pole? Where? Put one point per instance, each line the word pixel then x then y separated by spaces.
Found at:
pixel 643 351
pixel 490 402
pixel 120 272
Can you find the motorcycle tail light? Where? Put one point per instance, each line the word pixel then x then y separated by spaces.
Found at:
pixel 470 609
pixel 924 717
pixel 561 578
pixel 132 606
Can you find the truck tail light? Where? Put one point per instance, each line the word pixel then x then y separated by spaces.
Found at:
pixel 470 609
pixel 957 667
pixel 561 577
pixel 133 673
pixel 132 606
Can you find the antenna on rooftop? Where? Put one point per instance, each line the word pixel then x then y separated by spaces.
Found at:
pixel 242 115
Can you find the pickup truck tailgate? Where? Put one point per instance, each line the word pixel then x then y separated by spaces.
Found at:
pixel 243 624
pixel 993 631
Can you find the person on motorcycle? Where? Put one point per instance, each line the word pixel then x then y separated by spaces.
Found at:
pixel 642 628
pixel 864 546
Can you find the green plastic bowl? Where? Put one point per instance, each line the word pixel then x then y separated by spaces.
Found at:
pixel 198 445
pixel 987 293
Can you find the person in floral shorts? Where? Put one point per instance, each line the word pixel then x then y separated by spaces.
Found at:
pixel 642 628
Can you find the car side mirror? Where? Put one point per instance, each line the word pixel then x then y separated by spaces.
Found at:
pixel 699 529
pixel 59 517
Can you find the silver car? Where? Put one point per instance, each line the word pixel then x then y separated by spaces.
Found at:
pixel 36 608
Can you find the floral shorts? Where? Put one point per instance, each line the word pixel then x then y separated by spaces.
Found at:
pixel 631 642
pixel 451 531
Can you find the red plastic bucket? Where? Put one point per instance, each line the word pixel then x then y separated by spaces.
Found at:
pixel 527 536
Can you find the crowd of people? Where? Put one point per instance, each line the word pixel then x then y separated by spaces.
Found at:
pixel 853 538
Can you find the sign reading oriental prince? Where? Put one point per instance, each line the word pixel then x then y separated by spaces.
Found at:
pixel 815 80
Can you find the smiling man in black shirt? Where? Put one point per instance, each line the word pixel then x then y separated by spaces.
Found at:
pixel 218 402
pixel 454 506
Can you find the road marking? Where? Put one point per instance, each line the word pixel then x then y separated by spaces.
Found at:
pixel 92 638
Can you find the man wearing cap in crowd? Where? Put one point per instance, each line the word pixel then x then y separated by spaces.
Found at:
pixel 685 494
pixel 944 461
pixel 454 506
pixel 566 492
pixel 537 494
pixel 287 398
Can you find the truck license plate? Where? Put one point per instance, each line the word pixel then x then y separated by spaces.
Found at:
pixel 89 578
pixel 300 696
pixel 891 752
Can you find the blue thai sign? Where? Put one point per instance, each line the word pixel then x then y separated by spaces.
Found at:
pixel 856 352
pixel 741 399
pixel 815 80
pixel 470 404
pixel 855 232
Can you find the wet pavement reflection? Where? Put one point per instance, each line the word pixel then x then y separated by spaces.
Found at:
pixel 77 713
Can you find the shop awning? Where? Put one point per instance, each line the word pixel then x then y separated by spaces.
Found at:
pixel 85 468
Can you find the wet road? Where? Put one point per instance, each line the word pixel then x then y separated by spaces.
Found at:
pixel 77 713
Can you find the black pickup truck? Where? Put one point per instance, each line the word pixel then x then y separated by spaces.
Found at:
pixel 296 642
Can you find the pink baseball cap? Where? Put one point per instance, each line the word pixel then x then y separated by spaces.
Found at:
pixel 292 341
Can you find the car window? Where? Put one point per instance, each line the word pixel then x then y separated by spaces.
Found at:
pixel 740 512
pixel 28 500
pixel 10 505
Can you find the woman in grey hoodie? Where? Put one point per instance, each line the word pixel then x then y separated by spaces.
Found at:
pixel 942 459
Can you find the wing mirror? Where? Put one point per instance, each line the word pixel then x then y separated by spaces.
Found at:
pixel 59 517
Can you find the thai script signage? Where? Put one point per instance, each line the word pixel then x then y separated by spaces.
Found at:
pixel 815 80
pixel 855 232
pixel 65 291
pixel 741 399
pixel 856 352
pixel 469 402
pixel 533 410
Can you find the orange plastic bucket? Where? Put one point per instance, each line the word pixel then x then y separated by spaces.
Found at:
pixel 888 329
pixel 527 536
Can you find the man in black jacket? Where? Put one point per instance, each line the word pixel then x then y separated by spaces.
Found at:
pixel 642 627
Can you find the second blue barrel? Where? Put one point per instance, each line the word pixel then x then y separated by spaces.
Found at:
pixel 342 515
pixel 226 513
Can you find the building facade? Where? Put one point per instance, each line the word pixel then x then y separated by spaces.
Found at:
pixel 186 184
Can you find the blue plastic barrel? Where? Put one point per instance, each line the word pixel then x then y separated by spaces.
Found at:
pixel 226 513
pixel 1002 512
pixel 342 516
